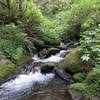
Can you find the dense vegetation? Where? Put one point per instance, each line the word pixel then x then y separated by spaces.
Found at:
pixel 26 25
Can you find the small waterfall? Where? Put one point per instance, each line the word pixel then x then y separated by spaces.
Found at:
pixel 53 58
pixel 23 83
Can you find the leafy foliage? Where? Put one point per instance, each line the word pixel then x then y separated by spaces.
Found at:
pixel 52 7
pixel 90 46
pixel 13 42
pixel 72 19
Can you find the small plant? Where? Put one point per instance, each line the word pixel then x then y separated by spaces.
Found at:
pixel 90 46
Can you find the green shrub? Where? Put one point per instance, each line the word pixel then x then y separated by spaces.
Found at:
pixel 13 42
pixel 51 7
pixel 90 48
pixel 72 19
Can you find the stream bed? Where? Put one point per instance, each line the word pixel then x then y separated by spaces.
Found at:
pixel 35 85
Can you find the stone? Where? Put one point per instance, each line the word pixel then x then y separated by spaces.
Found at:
pixel 52 51
pixel 47 67
pixel 43 53
pixel 72 61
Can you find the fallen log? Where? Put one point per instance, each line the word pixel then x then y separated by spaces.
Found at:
pixel 63 75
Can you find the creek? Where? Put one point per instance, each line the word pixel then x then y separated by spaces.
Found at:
pixel 35 85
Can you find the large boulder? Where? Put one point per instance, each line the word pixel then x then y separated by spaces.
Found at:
pixel 93 75
pixel 72 61
pixel 39 44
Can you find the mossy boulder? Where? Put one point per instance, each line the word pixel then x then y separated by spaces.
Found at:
pixel 72 61
pixel 6 69
pixel 48 64
pixel 79 76
pixel 47 67
pixel 79 86
pixel 52 51
pixel 93 75
pixel 43 53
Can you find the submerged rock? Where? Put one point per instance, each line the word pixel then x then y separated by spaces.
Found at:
pixel 76 95
pixel 93 76
pixel 47 67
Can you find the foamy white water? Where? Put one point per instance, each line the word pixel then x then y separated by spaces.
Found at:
pixel 26 81
pixel 53 58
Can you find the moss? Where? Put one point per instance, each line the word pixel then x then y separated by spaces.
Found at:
pixel 6 70
pixel 52 51
pixel 1 55
pixel 79 76
pixel 79 86
pixel 93 76
pixel 90 86
pixel 49 64
pixel 72 61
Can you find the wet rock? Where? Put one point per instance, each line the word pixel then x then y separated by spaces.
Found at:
pixel 52 51
pixel 72 61
pixel 47 67
pixel 43 53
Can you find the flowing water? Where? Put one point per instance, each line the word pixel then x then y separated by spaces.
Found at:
pixel 36 85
